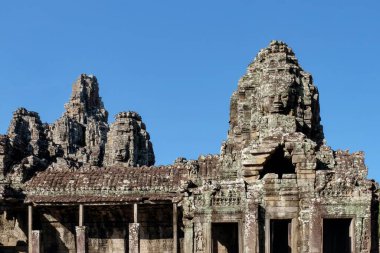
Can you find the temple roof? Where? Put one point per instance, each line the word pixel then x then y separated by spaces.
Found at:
pixel 112 184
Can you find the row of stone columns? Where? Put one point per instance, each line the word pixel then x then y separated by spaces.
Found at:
pixel 34 236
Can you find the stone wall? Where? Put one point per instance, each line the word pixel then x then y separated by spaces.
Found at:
pixel 57 226
pixel 13 229
pixel 108 228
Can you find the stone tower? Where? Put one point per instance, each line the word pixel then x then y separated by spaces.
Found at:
pixel 81 132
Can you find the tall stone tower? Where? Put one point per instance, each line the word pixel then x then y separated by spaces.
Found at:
pixel 275 98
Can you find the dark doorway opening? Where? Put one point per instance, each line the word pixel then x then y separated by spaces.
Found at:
pixel 280 236
pixel 336 235
pixel 225 238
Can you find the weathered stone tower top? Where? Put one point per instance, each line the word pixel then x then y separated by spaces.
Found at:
pixel 85 101
pixel 275 96
pixel 128 142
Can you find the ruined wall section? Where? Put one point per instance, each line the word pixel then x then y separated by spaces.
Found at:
pixel 13 227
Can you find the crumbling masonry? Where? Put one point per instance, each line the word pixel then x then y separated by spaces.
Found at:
pixel 83 185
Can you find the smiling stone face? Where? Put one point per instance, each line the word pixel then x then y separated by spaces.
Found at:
pixel 128 142
pixel 275 95
pixel 121 154
pixel 119 146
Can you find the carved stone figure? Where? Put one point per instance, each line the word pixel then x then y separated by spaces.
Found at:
pixel 199 241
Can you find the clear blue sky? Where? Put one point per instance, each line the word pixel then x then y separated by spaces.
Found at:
pixel 178 62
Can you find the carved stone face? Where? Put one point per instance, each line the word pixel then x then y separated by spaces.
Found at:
pixel 274 96
pixel 121 154
pixel 119 143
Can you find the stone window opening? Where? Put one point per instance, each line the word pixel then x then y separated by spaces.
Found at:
pixel 278 164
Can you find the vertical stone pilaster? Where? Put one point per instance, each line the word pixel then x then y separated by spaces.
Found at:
pixel 304 230
pixel 315 236
pixel 251 229
pixel 134 238
pixel 135 213
pixel 30 227
pixel 81 239
pixel 295 235
pixel 175 228
pixel 208 236
pixel 36 241
pixel 240 237
pixel 189 236
pixel 365 237
pixel 81 215
pixel 267 235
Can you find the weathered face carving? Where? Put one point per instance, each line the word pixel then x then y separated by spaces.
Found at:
pixel 277 98
pixel 119 147
pixel 121 154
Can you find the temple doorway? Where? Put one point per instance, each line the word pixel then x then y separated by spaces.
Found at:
pixel 280 236
pixel 337 236
pixel 225 238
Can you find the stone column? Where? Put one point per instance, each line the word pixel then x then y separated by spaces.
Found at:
pixel 134 232
pixel 208 236
pixel 295 230
pixel 189 236
pixel 267 235
pixel 175 228
pixel 134 237
pixel 30 227
pixel 36 241
pixel 81 239
pixel 135 209
pixel 81 232
pixel 315 236
pixel 81 215
pixel 251 229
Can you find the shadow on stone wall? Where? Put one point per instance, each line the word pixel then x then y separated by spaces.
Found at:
pixel 58 228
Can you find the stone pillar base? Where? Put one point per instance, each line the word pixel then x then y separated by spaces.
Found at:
pixel 134 238
pixel 189 238
pixel 81 239
pixel 36 241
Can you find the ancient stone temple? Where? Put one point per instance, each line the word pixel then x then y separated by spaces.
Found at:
pixel 84 185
